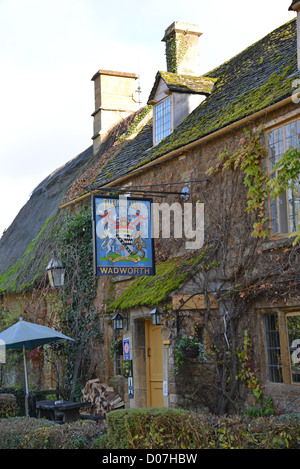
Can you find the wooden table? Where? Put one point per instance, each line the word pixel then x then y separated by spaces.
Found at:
pixel 60 411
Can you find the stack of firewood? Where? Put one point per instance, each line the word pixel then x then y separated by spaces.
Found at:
pixel 102 398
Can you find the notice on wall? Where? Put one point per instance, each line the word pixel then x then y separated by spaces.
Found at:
pixel 122 236
pixel 165 388
pixel 130 387
pixel 126 349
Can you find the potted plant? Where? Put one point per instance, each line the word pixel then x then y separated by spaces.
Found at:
pixel 116 347
pixel 187 347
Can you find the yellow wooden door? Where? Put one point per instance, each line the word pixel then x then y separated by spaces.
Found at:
pixel 154 365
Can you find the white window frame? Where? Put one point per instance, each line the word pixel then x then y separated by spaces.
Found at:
pixel 169 130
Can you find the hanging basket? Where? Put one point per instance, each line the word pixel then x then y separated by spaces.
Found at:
pixel 191 352
pixel 116 348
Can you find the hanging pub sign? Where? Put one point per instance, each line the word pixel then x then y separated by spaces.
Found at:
pixel 122 236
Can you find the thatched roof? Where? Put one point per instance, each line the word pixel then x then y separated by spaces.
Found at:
pixel 27 244
pixel 42 205
pixel 251 81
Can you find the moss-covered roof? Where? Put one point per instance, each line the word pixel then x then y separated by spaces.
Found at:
pixel 31 266
pixel 183 84
pixel 25 248
pixel 152 290
pixel 134 153
pixel 251 81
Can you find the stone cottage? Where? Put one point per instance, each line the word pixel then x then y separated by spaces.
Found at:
pixel 226 266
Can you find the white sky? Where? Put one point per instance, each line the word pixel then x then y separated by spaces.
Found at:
pixel 50 49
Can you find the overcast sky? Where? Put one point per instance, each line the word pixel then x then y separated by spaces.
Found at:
pixel 50 49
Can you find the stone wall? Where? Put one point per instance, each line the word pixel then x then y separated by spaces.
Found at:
pixel 224 199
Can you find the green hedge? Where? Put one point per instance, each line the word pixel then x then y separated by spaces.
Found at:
pixel 20 393
pixel 32 433
pixel 154 429
pixel 8 406
pixel 179 429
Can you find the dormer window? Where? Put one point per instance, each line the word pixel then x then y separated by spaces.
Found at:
pixel 162 120
pixel 173 98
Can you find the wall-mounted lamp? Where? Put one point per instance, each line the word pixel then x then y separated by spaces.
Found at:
pixel 56 272
pixel 156 317
pixel 118 322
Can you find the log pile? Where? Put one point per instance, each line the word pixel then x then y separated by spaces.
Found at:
pixel 102 398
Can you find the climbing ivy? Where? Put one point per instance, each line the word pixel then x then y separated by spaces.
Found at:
pixel 247 374
pixel 249 159
pixel 176 47
pixel 78 314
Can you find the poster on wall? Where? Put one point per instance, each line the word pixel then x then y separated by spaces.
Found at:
pixel 126 349
pixel 122 236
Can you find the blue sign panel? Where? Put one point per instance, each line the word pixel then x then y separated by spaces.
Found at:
pixel 122 236
pixel 126 349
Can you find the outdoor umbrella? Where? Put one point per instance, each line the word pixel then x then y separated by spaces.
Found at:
pixel 27 335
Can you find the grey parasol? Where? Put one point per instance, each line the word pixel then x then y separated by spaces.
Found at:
pixel 26 335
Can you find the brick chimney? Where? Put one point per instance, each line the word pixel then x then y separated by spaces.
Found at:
pixel 182 50
pixel 114 100
pixel 295 6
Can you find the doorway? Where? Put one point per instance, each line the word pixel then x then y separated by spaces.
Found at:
pixel 154 365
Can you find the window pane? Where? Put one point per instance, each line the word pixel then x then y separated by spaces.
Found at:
pixel 118 365
pixel 274 217
pixel 282 203
pixel 276 146
pixel 293 324
pixel 292 135
pixel 294 208
pixel 162 120
pixel 274 367
pixel 285 211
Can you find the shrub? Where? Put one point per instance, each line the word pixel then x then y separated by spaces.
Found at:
pixel 20 393
pixel 178 429
pixel 8 405
pixel 154 429
pixel 31 433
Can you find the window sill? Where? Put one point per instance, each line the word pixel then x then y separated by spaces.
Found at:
pixel 278 241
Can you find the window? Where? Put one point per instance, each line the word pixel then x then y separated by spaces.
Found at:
pixel 274 368
pixel 162 120
pixel 293 328
pixel 282 340
pixel 118 365
pixel 285 210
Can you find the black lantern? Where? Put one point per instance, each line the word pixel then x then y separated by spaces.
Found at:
pixel 156 316
pixel 56 272
pixel 118 322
